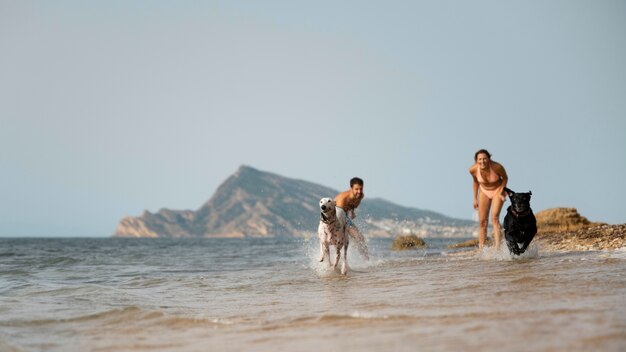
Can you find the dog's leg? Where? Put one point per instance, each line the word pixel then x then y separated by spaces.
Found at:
pixel 338 255
pixel 513 248
pixel 527 243
pixel 322 250
pixel 327 251
pixel 344 266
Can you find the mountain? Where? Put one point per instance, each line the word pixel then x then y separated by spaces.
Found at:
pixel 254 203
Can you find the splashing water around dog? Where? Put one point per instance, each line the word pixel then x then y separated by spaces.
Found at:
pixel 356 263
pixel 491 253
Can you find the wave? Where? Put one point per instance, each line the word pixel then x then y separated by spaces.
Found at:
pixel 360 316
pixel 335 319
pixel 619 253
pixel 57 261
pixel 530 281
pixel 7 347
pixel 359 319
pixel 67 291
pixel 16 272
pixel 124 318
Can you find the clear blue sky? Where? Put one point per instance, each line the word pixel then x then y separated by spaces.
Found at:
pixel 109 108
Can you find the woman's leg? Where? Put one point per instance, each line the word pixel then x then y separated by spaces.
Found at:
pixel 495 219
pixel 484 203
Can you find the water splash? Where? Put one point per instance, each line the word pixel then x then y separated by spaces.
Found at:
pixel 532 252
pixel 619 253
pixel 312 254
pixel 491 253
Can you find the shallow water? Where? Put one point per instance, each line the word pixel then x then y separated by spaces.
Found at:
pixel 267 294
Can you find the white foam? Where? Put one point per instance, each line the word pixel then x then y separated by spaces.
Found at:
pixel 618 253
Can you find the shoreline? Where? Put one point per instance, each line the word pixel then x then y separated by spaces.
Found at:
pixel 592 238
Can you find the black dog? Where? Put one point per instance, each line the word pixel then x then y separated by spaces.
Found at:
pixel 520 225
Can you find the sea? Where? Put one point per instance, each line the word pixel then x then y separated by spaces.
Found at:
pixel 273 294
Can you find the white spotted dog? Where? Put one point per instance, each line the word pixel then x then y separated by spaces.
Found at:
pixel 332 233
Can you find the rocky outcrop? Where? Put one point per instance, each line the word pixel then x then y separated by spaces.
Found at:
pixel 407 242
pixel 600 237
pixel 561 219
pixel 134 227
pixel 566 229
pixel 174 223
pixel 254 203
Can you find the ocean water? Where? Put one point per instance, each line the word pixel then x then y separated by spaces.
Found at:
pixel 114 294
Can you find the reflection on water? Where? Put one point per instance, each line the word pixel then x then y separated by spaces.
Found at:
pixel 263 295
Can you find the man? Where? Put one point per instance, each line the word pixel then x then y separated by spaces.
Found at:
pixel 347 202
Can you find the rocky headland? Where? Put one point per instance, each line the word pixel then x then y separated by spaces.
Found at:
pixel 255 203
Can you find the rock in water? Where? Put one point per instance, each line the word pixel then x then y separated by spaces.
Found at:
pixel 407 242
pixel 471 243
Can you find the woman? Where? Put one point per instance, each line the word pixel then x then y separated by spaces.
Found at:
pixel 489 181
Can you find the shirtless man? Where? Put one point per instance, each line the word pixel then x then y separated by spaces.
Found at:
pixel 347 202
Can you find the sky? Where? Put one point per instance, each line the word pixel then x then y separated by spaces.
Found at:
pixel 111 108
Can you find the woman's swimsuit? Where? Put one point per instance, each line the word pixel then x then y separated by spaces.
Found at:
pixel 493 177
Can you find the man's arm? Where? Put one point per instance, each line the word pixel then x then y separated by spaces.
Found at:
pixel 340 200
pixel 357 202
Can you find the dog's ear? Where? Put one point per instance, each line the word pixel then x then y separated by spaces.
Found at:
pixel 508 191
pixel 530 193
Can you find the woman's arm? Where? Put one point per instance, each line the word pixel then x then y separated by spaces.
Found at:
pixel 474 187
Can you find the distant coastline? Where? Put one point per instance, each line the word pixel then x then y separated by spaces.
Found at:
pixel 255 203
